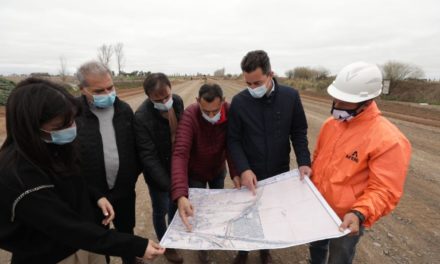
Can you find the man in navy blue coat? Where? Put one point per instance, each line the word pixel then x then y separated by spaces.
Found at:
pixel 263 120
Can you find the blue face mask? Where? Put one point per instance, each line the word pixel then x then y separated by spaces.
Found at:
pixel 104 100
pixel 61 137
pixel 164 107
pixel 213 119
pixel 258 92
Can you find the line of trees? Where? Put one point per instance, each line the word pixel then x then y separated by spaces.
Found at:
pixel 135 73
pixel 308 73
pixel 391 70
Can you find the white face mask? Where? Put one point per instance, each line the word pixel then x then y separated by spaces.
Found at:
pixel 342 115
pixel 345 115
pixel 258 92
pixel 213 119
pixel 164 107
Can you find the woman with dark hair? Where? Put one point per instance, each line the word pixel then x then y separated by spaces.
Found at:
pixel 45 210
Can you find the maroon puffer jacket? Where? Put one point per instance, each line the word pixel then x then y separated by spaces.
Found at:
pixel 200 150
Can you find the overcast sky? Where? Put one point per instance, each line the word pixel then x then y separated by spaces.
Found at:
pixel 203 35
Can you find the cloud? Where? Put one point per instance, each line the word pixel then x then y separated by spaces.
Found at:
pixel 201 36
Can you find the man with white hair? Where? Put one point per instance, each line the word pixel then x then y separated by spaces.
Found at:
pixel 107 146
pixel 360 161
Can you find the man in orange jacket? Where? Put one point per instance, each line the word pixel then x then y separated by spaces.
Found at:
pixel 360 161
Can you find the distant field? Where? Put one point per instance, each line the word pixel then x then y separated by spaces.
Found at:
pixel 408 235
pixel 413 91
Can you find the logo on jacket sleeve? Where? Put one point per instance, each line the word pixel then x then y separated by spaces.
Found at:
pixel 353 157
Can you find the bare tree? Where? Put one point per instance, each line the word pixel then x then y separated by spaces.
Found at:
pixel 289 74
pixel 321 73
pixel 120 59
pixel 307 73
pixel 394 71
pixel 105 53
pixel 303 73
pixel 63 68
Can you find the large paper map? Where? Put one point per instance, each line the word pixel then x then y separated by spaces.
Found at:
pixel 285 212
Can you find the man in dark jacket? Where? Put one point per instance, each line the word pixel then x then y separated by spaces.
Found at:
pixel 262 120
pixel 200 151
pixel 155 125
pixel 107 145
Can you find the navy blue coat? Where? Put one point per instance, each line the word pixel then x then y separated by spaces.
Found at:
pixel 260 132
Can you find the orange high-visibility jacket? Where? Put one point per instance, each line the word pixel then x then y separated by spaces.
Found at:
pixel 361 164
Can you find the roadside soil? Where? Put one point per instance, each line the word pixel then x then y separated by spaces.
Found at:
pixel 410 234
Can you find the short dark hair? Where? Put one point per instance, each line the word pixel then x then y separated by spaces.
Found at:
pixel 156 81
pixel 254 60
pixel 210 91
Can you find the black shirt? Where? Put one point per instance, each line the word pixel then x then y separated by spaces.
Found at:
pixel 45 218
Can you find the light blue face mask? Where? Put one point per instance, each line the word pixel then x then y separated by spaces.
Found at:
pixel 61 137
pixel 164 107
pixel 258 92
pixel 104 100
pixel 213 119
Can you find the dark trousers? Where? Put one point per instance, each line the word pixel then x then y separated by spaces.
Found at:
pixel 162 206
pixel 216 183
pixel 335 251
pixel 125 214
pixel 125 218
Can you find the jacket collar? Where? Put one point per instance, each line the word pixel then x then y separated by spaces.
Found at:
pixel 369 113
pixel 273 93
pixel 274 87
pixel 268 98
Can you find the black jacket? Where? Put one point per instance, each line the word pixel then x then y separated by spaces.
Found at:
pixel 45 218
pixel 259 131
pixel 92 155
pixel 153 139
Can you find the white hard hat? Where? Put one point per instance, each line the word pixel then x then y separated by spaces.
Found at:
pixel 357 82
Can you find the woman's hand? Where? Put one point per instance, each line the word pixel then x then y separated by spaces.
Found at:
pixel 153 250
pixel 107 210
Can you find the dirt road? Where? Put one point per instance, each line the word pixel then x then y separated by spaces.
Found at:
pixel 411 234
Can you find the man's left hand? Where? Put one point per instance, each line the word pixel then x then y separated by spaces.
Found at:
pixel 237 182
pixel 351 221
pixel 304 171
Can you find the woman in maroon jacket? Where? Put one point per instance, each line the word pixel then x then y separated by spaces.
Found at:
pixel 200 150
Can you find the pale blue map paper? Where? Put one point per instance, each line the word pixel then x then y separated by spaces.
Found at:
pixel 285 212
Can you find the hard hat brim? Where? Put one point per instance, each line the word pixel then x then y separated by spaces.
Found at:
pixel 350 98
